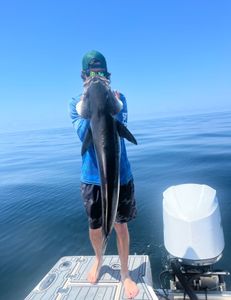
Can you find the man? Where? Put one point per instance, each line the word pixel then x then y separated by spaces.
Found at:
pixel 94 63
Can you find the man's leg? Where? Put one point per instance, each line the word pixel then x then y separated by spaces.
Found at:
pixel 96 241
pixel 92 204
pixel 131 289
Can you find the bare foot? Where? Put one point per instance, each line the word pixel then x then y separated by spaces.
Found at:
pixel 130 288
pixel 92 276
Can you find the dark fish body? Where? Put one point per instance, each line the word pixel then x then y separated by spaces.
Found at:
pixel 104 132
pixel 107 148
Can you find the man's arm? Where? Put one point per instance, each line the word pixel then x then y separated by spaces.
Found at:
pixel 122 116
pixel 80 125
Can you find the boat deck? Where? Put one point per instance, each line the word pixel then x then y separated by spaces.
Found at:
pixel 68 280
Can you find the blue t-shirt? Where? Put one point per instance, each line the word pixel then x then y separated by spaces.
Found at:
pixel 89 170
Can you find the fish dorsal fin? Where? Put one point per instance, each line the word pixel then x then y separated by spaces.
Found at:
pixel 125 133
pixel 86 141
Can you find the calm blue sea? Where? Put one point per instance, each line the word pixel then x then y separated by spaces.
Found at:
pixel 42 217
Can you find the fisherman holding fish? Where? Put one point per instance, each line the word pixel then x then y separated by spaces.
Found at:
pixel 108 196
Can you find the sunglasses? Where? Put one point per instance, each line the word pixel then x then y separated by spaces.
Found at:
pixel 93 73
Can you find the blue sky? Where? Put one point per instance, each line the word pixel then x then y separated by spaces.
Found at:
pixel 167 57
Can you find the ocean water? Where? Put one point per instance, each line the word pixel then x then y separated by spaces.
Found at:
pixel 42 216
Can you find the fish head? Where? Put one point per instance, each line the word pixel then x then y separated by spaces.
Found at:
pixel 98 97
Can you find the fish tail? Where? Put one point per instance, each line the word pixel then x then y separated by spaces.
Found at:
pixel 104 245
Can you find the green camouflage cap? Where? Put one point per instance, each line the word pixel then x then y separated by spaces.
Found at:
pixel 91 57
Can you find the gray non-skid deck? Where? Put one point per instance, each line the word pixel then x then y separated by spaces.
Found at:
pixel 68 280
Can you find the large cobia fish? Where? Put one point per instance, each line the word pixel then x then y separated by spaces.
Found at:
pixel 99 105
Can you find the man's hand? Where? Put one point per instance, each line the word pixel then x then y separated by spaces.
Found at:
pixel 79 106
pixel 117 95
pixel 119 103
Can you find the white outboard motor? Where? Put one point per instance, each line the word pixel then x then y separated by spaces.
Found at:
pixel 192 224
pixel 193 238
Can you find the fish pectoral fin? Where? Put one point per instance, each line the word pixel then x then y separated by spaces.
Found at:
pixel 125 133
pixel 86 141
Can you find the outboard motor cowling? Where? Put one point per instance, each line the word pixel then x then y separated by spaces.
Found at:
pixel 194 240
pixel 192 224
